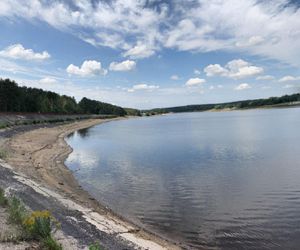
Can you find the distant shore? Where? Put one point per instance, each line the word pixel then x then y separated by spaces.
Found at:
pixel 39 154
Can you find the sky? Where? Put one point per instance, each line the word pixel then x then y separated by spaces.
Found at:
pixel 153 53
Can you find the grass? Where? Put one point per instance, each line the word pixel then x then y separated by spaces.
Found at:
pixel 3 125
pixel 37 225
pixel 3 154
pixel 50 244
pixel 17 211
pixel 3 199
pixel 95 246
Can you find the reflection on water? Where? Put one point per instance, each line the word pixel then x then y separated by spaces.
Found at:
pixel 225 180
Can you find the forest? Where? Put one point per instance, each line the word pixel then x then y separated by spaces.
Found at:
pixel 14 98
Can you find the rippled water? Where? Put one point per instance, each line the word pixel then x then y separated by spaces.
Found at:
pixel 223 180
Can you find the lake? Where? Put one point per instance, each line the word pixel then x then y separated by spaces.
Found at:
pixel 212 180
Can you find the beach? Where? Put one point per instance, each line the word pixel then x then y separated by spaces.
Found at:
pixel 36 160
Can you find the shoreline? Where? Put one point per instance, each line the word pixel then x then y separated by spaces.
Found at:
pixel 40 155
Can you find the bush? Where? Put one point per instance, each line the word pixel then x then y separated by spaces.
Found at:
pixel 40 224
pixel 17 211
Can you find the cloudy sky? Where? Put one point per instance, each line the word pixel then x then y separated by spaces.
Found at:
pixel 153 53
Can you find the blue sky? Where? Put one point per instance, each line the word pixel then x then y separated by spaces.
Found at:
pixel 153 53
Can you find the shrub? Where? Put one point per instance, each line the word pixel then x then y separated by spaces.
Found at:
pixel 50 244
pixel 3 199
pixel 39 224
pixel 17 211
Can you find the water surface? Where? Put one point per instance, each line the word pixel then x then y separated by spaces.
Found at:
pixel 223 180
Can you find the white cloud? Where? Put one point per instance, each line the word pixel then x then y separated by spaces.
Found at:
pixel 197 72
pixel 243 86
pixel 122 66
pixel 265 77
pixel 195 82
pixel 17 51
pixel 142 86
pixel 139 51
pixel 266 28
pixel 140 28
pixel 175 77
pixel 288 78
pixel 236 69
pixel 252 41
pixel 88 68
pixel 48 80
pixel 215 70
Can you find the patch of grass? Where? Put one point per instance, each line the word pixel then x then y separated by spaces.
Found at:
pixel 17 211
pixel 3 199
pixel 3 125
pixel 51 244
pixel 95 246
pixel 3 154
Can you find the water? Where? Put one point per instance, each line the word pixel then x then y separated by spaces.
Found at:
pixel 223 180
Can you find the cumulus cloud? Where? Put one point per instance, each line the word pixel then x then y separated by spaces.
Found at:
pixel 288 78
pixel 194 82
pixel 140 28
pixel 215 70
pixel 265 77
pixel 142 86
pixel 235 69
pixel 243 86
pixel 48 80
pixel 122 66
pixel 88 68
pixel 17 51
pixel 175 77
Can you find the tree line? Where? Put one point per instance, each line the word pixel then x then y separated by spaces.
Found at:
pixel 14 98
pixel 247 104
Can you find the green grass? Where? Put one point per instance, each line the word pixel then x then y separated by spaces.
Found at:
pixel 17 211
pixel 3 154
pixel 3 125
pixel 3 199
pixel 51 244
pixel 95 246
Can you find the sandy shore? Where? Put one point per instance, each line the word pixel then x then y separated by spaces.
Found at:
pixel 39 155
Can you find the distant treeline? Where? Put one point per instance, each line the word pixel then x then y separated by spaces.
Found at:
pixel 247 104
pixel 14 98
